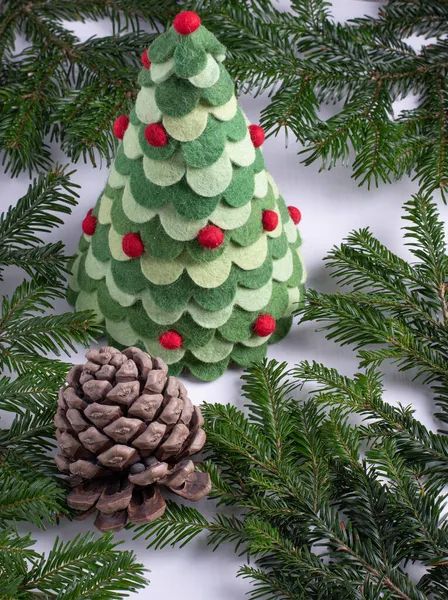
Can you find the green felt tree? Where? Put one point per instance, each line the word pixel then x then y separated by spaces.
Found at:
pixel 190 251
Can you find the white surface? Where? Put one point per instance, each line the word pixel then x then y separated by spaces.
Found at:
pixel 331 205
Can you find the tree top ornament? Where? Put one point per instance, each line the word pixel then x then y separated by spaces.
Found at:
pixel 190 252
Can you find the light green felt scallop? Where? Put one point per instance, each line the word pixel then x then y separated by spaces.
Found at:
pixel 93 267
pixel 161 272
pixel 290 229
pixel 207 148
pixel 295 297
pixel 146 107
pixel 227 111
pixel 249 257
pixel 227 217
pixel 89 301
pixel 210 319
pixel 176 97
pixel 256 299
pixel 131 143
pixel 162 48
pixel 161 71
pixel 210 274
pixel 241 153
pixel 279 229
pixel 169 356
pixel 115 180
pixel 157 314
pixel 134 211
pixel 217 349
pixel 73 280
pixel 177 227
pixel 212 180
pixel 221 92
pixel 104 210
pixel 255 341
pixel 115 245
pixel 189 127
pixel 241 190
pixel 123 298
pixel 166 172
pixel 190 58
pixel 273 185
pixel 261 185
pixel 208 76
pixel 122 332
pixel 283 267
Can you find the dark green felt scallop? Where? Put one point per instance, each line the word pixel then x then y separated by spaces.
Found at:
pixel 194 336
pixel 200 254
pixel 236 128
pixel 207 148
pixel 282 328
pixel 83 245
pixel 189 57
pixel 206 371
pixel 297 271
pixel 251 231
pixel 188 204
pixel 162 48
pixel 122 163
pixel 157 242
pixel 71 296
pixel 279 246
pixel 177 97
pixel 121 223
pixel 241 189
pixel 114 194
pixel 156 153
pixel 239 326
pixel 174 296
pixel 110 308
pixel 219 297
pixel 144 79
pixel 256 278
pixel 246 356
pixel 100 243
pixel 145 192
pixel 133 118
pixel 279 301
pixel 128 276
pixel 221 92
pixel 208 41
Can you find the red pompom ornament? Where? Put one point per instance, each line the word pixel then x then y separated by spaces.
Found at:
pixel 295 214
pixel 186 22
pixel 170 340
pixel 132 245
pixel 270 220
pixel 145 59
pixel 256 135
pixel 264 325
pixel 211 237
pixel 89 223
pixel 156 135
pixel 120 126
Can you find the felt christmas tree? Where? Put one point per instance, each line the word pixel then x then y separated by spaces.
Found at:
pixel 190 252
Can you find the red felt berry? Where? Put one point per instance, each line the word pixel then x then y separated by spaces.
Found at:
pixel 211 237
pixel 270 220
pixel 145 60
pixel 120 126
pixel 89 223
pixel 132 245
pixel 264 325
pixel 186 22
pixel 295 214
pixel 156 135
pixel 256 135
pixel 170 340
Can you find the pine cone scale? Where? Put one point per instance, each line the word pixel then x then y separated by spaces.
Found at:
pixel 124 429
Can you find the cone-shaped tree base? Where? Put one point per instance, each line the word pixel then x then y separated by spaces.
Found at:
pixel 190 252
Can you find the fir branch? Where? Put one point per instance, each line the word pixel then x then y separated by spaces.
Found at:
pixel 400 306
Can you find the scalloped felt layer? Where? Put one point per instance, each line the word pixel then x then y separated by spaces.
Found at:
pixel 206 171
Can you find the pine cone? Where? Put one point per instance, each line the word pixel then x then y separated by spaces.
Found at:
pixel 124 429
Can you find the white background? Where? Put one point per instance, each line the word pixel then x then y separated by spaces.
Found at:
pixel 332 205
